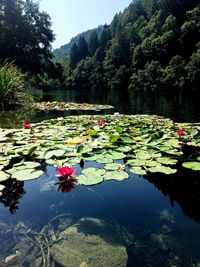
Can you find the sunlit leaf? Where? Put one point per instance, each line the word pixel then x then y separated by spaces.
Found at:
pixel 116 175
pixel 193 165
pixel 4 176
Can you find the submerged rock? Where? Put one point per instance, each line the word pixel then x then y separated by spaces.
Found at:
pixel 90 242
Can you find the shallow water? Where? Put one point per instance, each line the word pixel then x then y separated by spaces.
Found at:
pixel 154 231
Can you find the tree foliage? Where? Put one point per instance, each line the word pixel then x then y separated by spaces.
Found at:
pixel 152 45
pixel 26 36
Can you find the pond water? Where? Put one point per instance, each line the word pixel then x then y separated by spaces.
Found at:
pixel 140 222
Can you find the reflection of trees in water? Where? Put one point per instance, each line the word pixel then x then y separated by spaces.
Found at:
pixel 183 187
pixel 11 194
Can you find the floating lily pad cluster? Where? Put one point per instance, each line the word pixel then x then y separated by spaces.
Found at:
pixel 68 106
pixel 139 144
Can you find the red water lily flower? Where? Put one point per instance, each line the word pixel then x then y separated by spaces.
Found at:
pixel 66 172
pixel 26 125
pixel 101 123
pixel 181 132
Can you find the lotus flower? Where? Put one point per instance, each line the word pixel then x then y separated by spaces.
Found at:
pixel 101 123
pixel 26 125
pixel 181 132
pixel 66 172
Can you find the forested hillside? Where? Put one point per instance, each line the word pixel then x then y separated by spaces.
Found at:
pixel 62 53
pixel 153 45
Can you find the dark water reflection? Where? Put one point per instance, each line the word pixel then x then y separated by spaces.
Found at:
pixel 156 230
pixel 158 216
pixel 180 108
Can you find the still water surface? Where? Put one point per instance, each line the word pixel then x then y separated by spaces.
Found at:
pixel 156 219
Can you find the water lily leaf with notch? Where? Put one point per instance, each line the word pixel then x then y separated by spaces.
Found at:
pixel 166 161
pixel 113 166
pixel 93 170
pixel 28 174
pixel 162 169
pixel 193 165
pixel 116 175
pixel 90 178
pixel 138 171
pixel 4 176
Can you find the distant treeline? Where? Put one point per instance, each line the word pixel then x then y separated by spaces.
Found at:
pixel 152 45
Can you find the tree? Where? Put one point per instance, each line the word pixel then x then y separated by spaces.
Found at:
pixel 25 35
pixel 74 56
pixel 93 42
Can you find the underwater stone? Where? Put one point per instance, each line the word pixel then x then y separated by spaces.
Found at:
pixel 90 242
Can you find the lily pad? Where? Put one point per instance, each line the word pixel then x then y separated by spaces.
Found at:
pixel 90 179
pixel 28 174
pixel 138 171
pixel 193 165
pixel 116 175
pixel 4 176
pixel 113 166
pixel 162 169
pixel 167 161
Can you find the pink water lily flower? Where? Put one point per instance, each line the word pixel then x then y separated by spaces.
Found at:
pixel 26 125
pixel 65 172
pixel 181 132
pixel 101 123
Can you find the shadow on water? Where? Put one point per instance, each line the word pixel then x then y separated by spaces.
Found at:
pixel 182 188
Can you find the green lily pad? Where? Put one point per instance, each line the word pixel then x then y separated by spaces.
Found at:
pixel 93 170
pixel 167 161
pixel 116 175
pixel 136 162
pixel 112 166
pixel 162 169
pixel 138 171
pixel 90 179
pixel 4 176
pixel 28 174
pixel 193 165
pixel 143 155
pixel 104 160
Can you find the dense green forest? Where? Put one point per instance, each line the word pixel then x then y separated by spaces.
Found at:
pixel 62 53
pixel 152 45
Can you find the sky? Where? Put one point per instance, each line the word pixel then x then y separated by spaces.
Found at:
pixel 71 17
